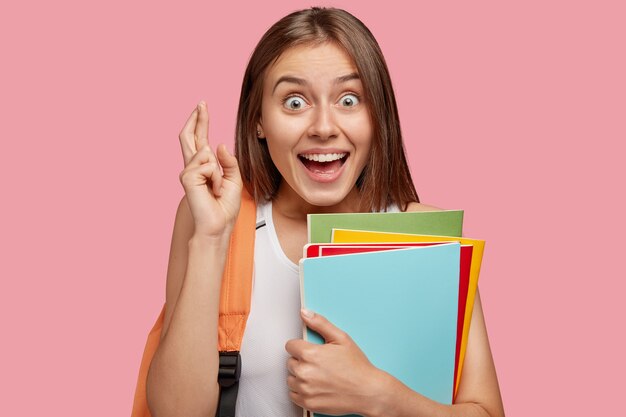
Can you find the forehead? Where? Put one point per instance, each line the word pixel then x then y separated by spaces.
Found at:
pixel 312 62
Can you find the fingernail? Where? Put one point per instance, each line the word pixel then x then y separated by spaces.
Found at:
pixel 308 313
pixel 200 105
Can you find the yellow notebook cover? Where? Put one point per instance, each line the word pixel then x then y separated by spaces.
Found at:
pixel 361 236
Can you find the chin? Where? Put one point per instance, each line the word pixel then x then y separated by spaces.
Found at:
pixel 326 198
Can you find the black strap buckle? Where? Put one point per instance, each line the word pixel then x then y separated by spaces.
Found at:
pixel 228 379
pixel 230 369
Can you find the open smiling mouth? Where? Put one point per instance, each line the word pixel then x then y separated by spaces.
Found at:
pixel 324 164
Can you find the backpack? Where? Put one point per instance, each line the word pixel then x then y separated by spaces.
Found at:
pixel 235 296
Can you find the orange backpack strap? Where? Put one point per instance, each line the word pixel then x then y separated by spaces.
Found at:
pixel 237 278
pixel 234 305
pixel 140 404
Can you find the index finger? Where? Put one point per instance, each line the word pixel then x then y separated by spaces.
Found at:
pixel 295 347
pixel 202 126
pixel 186 137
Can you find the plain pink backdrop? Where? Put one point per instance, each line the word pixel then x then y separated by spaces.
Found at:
pixel 513 112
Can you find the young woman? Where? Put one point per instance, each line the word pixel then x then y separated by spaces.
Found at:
pixel 317 131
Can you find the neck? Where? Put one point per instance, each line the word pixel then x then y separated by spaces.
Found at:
pixel 291 205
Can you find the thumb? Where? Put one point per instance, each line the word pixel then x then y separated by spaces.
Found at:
pixel 321 325
pixel 229 164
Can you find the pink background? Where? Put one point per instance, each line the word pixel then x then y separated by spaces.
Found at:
pixel 512 112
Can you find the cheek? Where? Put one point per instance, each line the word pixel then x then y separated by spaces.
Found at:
pixel 361 133
pixel 362 141
pixel 358 125
pixel 276 124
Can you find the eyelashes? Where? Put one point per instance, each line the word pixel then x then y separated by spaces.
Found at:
pixel 350 100
pixel 296 102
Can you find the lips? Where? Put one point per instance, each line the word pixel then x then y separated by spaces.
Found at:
pixel 323 166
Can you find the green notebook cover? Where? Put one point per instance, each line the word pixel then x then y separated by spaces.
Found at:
pixel 441 223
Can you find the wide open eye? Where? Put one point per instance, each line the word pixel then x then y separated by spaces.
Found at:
pixel 349 100
pixel 294 103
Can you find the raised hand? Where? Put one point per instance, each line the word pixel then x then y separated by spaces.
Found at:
pixel 334 378
pixel 212 181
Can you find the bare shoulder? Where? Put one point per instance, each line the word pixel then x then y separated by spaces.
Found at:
pixel 415 206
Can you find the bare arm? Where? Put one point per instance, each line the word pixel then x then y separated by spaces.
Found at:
pixel 183 375
pixel 182 379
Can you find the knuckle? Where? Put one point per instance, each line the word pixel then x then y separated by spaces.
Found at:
pixel 182 135
pixel 210 168
pixel 294 397
pixel 291 381
pixel 310 402
pixel 296 346
pixel 304 372
pixel 305 390
pixel 308 353
pixel 186 179
pixel 187 175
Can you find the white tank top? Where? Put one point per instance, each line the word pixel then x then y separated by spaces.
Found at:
pixel 274 319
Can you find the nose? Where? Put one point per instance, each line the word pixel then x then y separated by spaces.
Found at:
pixel 323 124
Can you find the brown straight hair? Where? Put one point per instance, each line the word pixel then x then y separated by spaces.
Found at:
pixel 386 178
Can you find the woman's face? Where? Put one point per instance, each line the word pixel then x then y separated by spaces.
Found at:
pixel 316 122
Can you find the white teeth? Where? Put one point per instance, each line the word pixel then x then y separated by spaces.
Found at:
pixel 323 157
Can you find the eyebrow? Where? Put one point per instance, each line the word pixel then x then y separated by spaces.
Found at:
pixel 303 82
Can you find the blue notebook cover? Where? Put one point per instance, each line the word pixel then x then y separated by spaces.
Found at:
pixel 399 306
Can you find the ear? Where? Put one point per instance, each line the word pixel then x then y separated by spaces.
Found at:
pixel 259 130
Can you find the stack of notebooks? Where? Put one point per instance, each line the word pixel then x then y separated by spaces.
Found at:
pixel 402 285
